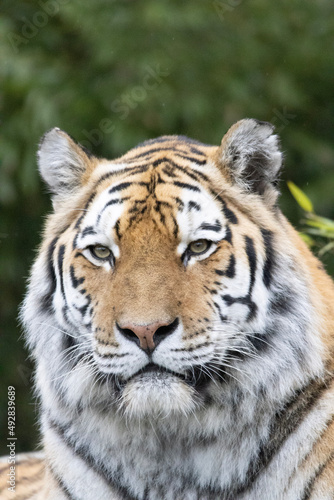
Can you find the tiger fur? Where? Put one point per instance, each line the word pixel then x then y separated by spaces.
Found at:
pixel 182 331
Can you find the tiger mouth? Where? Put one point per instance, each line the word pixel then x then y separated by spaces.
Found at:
pixel 154 369
pixel 196 377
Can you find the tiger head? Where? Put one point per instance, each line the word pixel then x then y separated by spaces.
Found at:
pixel 167 274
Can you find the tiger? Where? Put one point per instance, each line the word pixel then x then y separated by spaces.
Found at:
pixel 183 333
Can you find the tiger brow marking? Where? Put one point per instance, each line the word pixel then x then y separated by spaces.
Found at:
pixel 114 173
pixel 193 174
pixel 191 158
pixel 211 227
pixel 88 230
pixel 150 152
pixel 125 185
pixel 117 201
pixel 185 185
pixel 229 214
pixel 85 209
pixel 119 187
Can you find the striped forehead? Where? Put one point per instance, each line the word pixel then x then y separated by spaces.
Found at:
pixel 179 199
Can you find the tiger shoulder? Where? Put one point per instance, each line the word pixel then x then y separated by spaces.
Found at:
pixel 182 331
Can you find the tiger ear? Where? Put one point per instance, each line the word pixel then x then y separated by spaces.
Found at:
pixel 250 154
pixel 62 162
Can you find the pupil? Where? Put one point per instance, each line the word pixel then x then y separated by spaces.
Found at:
pixel 101 251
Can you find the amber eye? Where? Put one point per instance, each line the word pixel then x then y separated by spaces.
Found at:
pixel 100 252
pixel 199 246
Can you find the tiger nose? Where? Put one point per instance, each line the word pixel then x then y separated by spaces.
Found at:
pixel 150 335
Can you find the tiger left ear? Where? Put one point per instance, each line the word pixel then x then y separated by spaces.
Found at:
pixel 250 155
pixel 62 162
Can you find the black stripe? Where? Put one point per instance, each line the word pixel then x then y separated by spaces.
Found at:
pixel 228 235
pixel 61 254
pixel 211 227
pixel 117 201
pixel 193 174
pixel 309 488
pixel 251 254
pixel 191 159
pixel 184 185
pixel 283 425
pixel 221 316
pixel 47 301
pixel 229 214
pixel 169 171
pixel 179 202
pixel 117 229
pixel 149 153
pixel 75 281
pixel 88 202
pixel 84 308
pixel 247 300
pixel 193 204
pixel 120 187
pixel 88 230
pixel 83 453
pixel 230 271
pixel 127 170
pixel 269 260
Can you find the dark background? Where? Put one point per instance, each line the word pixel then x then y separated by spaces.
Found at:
pixel 113 73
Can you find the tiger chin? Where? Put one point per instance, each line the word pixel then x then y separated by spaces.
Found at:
pixel 182 331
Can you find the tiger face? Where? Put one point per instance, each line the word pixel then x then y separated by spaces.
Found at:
pixel 166 278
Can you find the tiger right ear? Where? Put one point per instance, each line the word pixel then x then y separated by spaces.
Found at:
pixel 62 162
pixel 250 155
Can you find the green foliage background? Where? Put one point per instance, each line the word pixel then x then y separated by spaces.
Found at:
pixel 112 73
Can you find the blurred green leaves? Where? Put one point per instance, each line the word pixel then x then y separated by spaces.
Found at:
pixel 303 201
pixel 316 226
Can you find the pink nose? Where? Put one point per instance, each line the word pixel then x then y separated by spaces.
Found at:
pixel 148 335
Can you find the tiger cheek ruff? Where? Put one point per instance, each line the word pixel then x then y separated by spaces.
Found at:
pixel 182 331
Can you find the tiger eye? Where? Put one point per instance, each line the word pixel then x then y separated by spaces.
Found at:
pixel 101 252
pixel 199 246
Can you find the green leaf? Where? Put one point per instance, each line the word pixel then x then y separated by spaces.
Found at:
pixel 303 201
pixel 321 232
pixel 318 221
pixel 308 240
pixel 326 248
